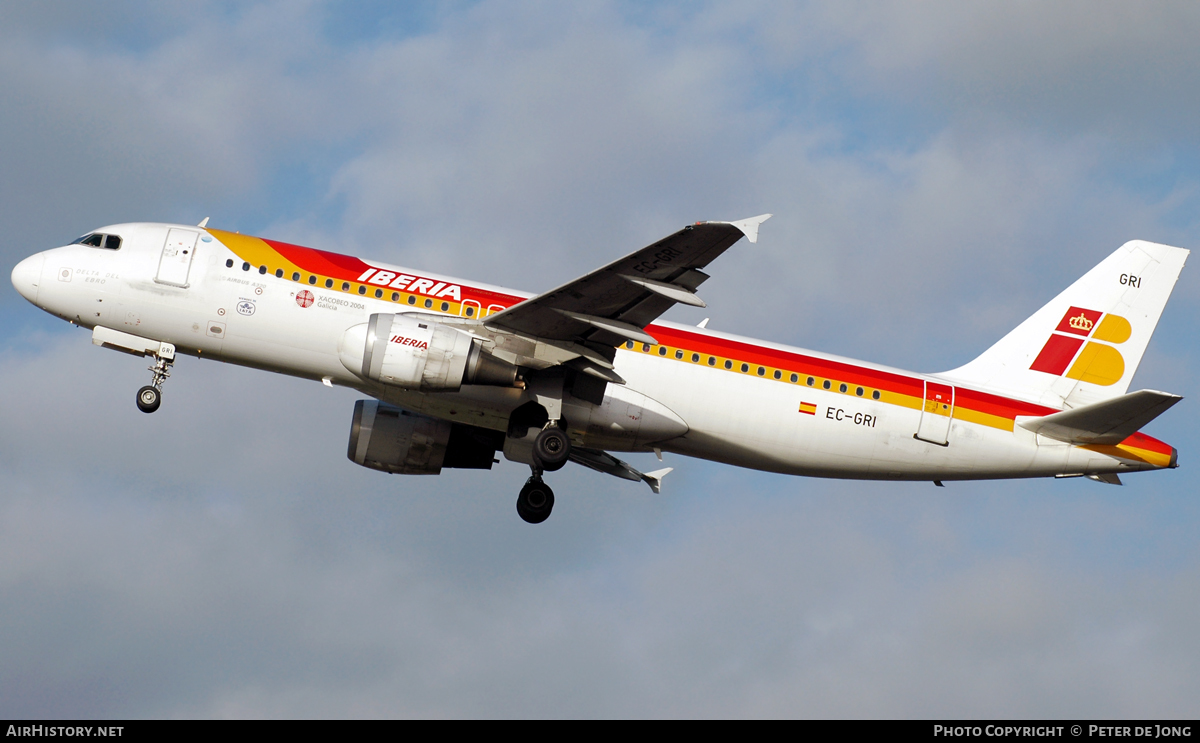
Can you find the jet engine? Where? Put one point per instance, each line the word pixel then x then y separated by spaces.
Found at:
pixel 421 354
pixel 391 439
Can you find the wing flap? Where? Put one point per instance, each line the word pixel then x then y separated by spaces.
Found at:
pixel 602 461
pixel 1108 422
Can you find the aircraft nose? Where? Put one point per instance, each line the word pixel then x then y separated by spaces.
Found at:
pixel 27 275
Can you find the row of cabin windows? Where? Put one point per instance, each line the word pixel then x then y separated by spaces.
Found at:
pixel 362 289
pixel 760 371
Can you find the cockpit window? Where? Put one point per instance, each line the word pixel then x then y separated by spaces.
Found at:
pixel 97 240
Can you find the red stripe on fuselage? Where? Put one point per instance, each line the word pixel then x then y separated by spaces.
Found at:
pixel 762 356
pixel 334 265
pixel 1142 441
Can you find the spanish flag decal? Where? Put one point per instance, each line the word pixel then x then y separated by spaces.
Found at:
pixel 808 408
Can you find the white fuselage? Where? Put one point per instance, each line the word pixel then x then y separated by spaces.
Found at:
pixel 695 407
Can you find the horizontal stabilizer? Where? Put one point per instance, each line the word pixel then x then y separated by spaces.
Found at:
pixel 602 461
pixel 1108 477
pixel 1108 422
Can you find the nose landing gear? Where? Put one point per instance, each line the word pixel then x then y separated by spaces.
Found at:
pixel 149 398
pixel 536 500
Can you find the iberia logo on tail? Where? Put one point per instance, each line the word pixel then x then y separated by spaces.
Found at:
pixel 1097 362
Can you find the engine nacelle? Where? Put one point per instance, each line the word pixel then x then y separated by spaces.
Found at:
pixel 390 439
pixel 420 354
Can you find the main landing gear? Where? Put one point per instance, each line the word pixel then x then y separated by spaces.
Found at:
pixel 551 450
pixel 536 500
pixel 149 398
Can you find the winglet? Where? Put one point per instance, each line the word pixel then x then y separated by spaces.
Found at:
pixel 749 227
pixel 654 479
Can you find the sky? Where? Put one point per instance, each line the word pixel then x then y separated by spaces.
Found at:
pixel 937 172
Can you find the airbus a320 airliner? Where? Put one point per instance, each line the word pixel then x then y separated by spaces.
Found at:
pixel 459 370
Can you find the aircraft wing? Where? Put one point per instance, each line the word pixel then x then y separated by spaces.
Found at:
pixel 615 303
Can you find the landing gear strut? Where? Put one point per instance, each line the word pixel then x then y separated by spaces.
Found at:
pixel 536 500
pixel 149 398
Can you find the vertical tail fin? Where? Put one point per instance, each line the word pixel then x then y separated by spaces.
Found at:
pixel 1085 345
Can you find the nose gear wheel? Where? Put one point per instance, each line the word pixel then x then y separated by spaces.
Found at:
pixel 148 399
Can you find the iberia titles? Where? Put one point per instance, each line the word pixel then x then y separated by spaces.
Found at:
pixel 412 284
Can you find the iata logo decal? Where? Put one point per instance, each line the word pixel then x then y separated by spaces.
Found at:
pixel 401 340
pixel 246 307
pixel 304 298
pixel 1097 363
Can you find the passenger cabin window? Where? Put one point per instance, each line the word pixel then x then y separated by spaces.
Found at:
pixel 328 283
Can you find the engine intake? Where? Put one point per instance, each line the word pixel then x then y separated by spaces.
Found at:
pixel 391 439
pixel 421 354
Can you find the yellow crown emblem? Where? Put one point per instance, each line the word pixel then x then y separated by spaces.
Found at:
pixel 1081 322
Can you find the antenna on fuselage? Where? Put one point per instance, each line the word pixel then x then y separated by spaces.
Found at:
pixel 203 222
